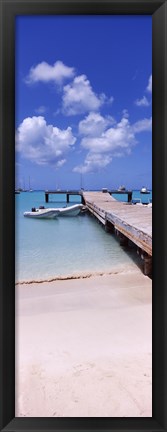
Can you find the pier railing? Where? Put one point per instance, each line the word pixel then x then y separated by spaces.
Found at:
pixel 69 193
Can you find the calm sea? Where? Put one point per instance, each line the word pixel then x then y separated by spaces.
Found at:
pixel 65 246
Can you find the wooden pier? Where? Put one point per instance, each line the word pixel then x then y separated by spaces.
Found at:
pixel 128 221
pixel 67 193
pixel 121 192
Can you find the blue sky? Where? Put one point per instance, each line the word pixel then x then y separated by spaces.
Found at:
pixel 83 101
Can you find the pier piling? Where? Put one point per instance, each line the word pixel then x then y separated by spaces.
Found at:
pixel 123 240
pixel 148 266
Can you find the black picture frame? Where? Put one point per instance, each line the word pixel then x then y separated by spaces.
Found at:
pixel 8 10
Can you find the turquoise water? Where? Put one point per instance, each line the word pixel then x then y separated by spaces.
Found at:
pixel 136 195
pixel 64 246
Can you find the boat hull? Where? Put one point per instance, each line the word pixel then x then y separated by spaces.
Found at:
pixel 42 214
pixel 51 213
pixel 70 211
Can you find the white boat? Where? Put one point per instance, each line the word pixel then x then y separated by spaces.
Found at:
pixel 121 188
pixel 30 190
pixel 50 213
pixel 144 190
pixel 42 213
pixel 73 210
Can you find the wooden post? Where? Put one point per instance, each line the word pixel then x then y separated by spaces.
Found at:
pixel 46 197
pixel 67 198
pixel 147 265
pixel 129 196
pixel 109 227
pixel 123 240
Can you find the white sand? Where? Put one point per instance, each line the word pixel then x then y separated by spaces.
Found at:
pixel 83 347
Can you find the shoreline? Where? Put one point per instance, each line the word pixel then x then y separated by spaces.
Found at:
pixel 130 268
pixel 84 347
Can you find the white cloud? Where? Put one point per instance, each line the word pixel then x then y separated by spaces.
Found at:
pixel 120 136
pixel 149 86
pixel 45 73
pixel 93 162
pixel 142 102
pixel 94 124
pixel 42 143
pixel 79 97
pixel 105 143
pixel 111 100
pixel 61 162
pixel 142 125
pixel 125 113
pixel 41 110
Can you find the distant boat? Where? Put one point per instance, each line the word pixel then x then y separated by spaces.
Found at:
pixel 17 192
pixel 144 190
pixel 122 188
pixel 30 190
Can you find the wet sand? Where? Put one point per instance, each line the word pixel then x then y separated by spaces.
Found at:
pixel 84 347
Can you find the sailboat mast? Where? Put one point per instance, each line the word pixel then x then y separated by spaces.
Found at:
pixel 81 182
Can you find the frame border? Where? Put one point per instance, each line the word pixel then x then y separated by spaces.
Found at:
pixel 8 10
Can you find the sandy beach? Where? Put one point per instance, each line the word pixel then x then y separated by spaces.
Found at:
pixel 84 347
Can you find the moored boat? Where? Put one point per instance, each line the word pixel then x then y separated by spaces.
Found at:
pixel 121 188
pixel 73 210
pixel 50 213
pixel 144 190
pixel 42 213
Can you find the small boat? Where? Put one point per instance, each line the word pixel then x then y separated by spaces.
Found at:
pixel 42 213
pixel 122 188
pixel 17 192
pixel 30 190
pixel 50 213
pixel 73 210
pixel 144 190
